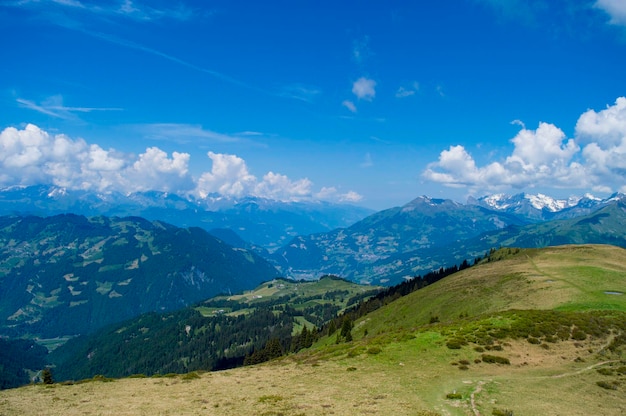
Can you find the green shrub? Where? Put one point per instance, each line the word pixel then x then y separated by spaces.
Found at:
pixel 351 369
pixel 578 335
pixel 456 343
pixel 502 412
pixel 46 376
pixel 463 367
pixel 607 385
pixel 100 377
pixel 605 371
pixel 270 398
pixel 479 349
pixel 464 362
pixel 374 350
pixel 494 359
pixel 550 338
pixel 454 396
pixel 621 370
pixel 534 340
pixel 190 376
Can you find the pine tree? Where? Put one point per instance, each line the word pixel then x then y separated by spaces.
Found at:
pixel 46 376
pixel 346 328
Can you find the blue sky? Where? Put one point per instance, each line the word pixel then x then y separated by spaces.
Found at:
pixel 367 102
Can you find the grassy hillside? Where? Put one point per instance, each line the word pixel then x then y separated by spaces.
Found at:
pixel 566 277
pixel 538 332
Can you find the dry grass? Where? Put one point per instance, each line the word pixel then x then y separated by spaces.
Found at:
pixel 287 389
pixel 410 377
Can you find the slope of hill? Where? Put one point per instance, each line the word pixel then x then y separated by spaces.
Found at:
pixel 67 275
pixel 560 351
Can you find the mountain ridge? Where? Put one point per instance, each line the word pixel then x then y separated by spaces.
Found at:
pixel 69 274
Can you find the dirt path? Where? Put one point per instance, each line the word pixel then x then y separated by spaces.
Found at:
pixel 477 390
pixel 582 370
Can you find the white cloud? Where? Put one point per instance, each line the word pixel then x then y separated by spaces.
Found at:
pixel 277 186
pixel 350 196
pixel 407 91
pixel 306 93
pixel 607 127
pixel 546 158
pixel 229 176
pixel 349 105
pixel 616 9
pixel 128 9
pixel 332 194
pixel 364 89
pixel 605 135
pixel 53 106
pixel 32 156
pixel 185 133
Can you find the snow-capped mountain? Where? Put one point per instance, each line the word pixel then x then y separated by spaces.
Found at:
pixel 540 207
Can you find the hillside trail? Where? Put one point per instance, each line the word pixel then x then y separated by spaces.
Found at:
pixel 477 390
pixel 582 370
pixel 555 278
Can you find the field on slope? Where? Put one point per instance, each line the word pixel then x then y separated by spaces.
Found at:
pixel 553 320
pixel 576 277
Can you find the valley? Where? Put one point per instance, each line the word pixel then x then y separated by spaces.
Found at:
pixel 401 360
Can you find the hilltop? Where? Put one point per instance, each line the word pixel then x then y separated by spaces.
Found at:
pixel 538 331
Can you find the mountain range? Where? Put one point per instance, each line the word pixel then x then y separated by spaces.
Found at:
pixel 262 223
pixel 542 207
pixel 393 245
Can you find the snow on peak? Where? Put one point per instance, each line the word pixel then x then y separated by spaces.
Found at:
pixel 541 201
pixel 538 201
pixel 57 192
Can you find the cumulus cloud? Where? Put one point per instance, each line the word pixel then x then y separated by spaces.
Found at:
pixel 33 156
pixel 277 186
pixel 545 157
pixel 604 133
pixel 229 176
pixel 364 89
pixel 616 9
